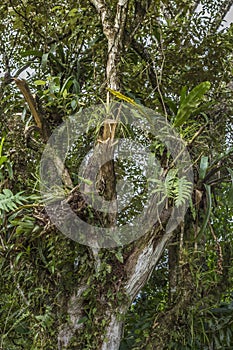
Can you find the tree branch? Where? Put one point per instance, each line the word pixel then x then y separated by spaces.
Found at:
pixel 145 55
pixel 39 120
pixel 105 14
pixel 140 12
pixel 224 9
pixel 113 30
pixel 42 126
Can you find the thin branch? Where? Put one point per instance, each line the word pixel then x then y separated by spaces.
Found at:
pixel 198 133
pixel 26 301
pixel 18 12
pixel 219 180
pixel 219 250
pixel 159 81
pixel 6 60
pixel 223 11
pixel 24 67
pixel 23 87
pixel 140 13
pixel 26 22
pixel 145 55
pixel 42 125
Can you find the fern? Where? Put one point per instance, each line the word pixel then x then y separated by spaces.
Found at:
pixel 9 201
pixel 173 187
pixel 182 191
pixel 161 189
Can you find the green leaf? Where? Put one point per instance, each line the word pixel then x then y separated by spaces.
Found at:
pixel 76 87
pixel 31 53
pixel 119 256
pixel 73 12
pixel 189 103
pixel 65 93
pixel 171 104
pixel 203 167
pixel 40 82
pixel 22 329
pixel 86 181
pixel 122 97
pixel 18 257
pixel 7 192
pixel 55 8
pixel 9 201
pixel 73 104
pixel 3 159
pixel 182 191
pixel 1 145
pixel 82 319
pixel 183 94
pixel 67 84
pixel 10 170
pixel 44 59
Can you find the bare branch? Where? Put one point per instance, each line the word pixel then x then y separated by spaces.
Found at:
pixel 24 67
pixel 23 87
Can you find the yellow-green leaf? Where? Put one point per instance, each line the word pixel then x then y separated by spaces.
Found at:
pixel 122 97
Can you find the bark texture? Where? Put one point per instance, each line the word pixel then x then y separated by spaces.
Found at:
pixel 139 259
pixel 113 28
pixel 132 275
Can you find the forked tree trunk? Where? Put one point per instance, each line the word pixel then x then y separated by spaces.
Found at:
pixel 108 321
pixel 131 274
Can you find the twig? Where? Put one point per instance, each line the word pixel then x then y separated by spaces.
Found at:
pixel 219 250
pixel 196 135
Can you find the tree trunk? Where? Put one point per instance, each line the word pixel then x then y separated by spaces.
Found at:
pixel 106 324
pixel 114 282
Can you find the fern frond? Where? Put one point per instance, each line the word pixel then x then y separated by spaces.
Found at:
pixel 170 182
pixel 164 188
pixel 9 201
pixel 179 189
pixel 182 191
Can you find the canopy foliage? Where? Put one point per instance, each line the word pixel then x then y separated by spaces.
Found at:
pixel 176 59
